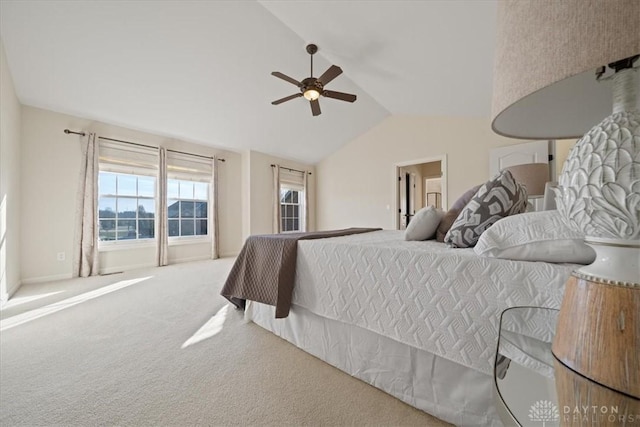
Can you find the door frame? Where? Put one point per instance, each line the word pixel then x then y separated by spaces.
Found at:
pixel 396 174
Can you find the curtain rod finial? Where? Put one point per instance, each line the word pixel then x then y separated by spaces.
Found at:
pixel 67 131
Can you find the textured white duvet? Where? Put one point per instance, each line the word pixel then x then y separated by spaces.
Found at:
pixel 444 300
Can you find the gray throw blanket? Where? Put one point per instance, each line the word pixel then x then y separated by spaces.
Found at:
pixel 266 268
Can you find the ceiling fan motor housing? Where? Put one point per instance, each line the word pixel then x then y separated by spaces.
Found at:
pixel 311 83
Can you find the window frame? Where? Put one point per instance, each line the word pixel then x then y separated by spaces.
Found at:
pixel 118 244
pixel 287 186
pixel 194 238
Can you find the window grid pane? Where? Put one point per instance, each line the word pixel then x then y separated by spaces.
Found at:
pixel 174 227
pixel 201 227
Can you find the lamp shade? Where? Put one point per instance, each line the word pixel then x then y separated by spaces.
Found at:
pixel 547 52
pixel 533 176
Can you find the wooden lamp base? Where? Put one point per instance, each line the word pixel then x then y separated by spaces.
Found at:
pixel 598 333
pixel 583 402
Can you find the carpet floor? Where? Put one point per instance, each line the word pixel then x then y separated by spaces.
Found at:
pixel 129 349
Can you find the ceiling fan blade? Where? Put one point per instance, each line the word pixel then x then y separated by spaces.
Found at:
pixel 286 98
pixel 286 78
pixel 315 107
pixel 339 95
pixel 333 72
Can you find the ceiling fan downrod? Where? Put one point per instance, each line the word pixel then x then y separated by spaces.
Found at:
pixel 311 49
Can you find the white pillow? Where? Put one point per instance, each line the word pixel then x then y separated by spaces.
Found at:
pixel 535 236
pixel 424 223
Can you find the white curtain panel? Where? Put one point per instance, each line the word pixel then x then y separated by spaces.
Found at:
pixel 86 258
pixel 161 211
pixel 277 217
pixel 305 183
pixel 213 196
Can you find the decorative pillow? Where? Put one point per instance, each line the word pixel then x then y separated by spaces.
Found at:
pixel 423 224
pixel 535 236
pixel 449 218
pixel 499 197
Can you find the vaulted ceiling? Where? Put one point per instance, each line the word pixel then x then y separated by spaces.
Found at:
pixel 200 70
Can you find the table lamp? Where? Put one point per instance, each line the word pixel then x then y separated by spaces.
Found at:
pixel 561 68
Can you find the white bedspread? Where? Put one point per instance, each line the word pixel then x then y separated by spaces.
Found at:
pixel 443 300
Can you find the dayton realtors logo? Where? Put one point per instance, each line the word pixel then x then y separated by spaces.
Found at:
pixel 598 415
pixel 544 411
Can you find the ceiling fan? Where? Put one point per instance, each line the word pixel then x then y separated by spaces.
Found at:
pixel 311 87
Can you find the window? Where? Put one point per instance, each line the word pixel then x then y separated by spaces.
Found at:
pixel 291 209
pixel 188 207
pixel 128 195
pixel 126 206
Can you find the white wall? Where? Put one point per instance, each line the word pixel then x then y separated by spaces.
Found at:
pixel 258 191
pixel 356 186
pixel 10 119
pixel 50 167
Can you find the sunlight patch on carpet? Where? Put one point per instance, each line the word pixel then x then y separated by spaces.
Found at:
pixel 16 301
pixel 209 329
pixel 66 303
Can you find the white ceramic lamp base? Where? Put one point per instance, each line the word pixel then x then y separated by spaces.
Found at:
pixel 598 332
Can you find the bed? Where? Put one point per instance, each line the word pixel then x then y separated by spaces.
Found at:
pixel 417 319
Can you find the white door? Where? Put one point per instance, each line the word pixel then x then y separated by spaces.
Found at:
pixel 531 152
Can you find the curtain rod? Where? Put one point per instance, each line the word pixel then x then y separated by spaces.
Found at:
pixel 196 155
pixel 292 170
pixel 67 131
pixel 128 142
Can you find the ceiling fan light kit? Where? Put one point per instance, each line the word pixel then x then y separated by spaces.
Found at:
pixel 311 88
pixel 311 94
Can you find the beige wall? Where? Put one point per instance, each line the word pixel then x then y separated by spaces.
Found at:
pixel 10 119
pixel 356 186
pixel 258 191
pixel 563 146
pixel 50 175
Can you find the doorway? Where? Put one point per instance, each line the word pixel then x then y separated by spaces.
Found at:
pixel 420 183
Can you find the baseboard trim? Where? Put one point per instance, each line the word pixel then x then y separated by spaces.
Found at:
pixel 6 296
pixel 110 270
pixel 43 279
pixel 122 268
pixel 189 259
pixel 229 255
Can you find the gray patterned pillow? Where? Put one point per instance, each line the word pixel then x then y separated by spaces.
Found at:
pixel 497 198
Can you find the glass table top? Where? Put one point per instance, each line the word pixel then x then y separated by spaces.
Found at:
pixel 534 389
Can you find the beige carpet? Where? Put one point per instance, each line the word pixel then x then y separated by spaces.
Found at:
pixel 107 351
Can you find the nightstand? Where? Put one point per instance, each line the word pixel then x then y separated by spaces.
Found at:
pixel 534 389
